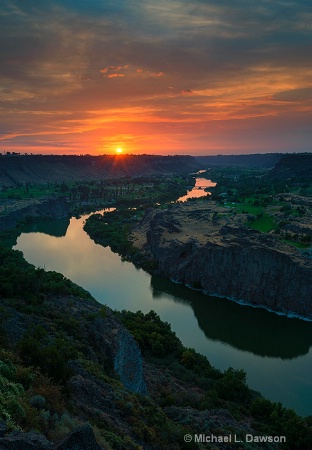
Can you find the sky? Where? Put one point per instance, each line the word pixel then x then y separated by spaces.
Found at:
pixel 155 76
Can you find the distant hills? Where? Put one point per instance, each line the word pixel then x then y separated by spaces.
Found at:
pixel 259 160
pixel 18 169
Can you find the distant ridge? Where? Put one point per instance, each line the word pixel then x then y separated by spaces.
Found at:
pixel 258 160
pixel 20 169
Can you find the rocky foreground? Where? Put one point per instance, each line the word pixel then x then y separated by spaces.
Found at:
pixel 195 245
pixel 104 381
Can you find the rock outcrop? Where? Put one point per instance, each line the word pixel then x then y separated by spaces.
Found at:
pixel 128 363
pixel 82 438
pixel 12 211
pixel 106 337
pixel 197 249
pixel 108 346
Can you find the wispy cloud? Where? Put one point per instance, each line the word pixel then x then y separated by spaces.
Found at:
pixel 164 72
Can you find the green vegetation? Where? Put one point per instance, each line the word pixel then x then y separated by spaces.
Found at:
pixel 113 228
pixel 241 191
pixel 229 390
pixel 154 337
pixel 261 197
pixel 264 223
pixel 126 191
pixel 36 349
pixel 19 279
pixel 297 244
pixel 29 190
pixel 28 399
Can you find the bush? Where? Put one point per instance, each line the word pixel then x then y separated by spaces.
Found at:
pixel 154 337
pixel 37 401
pixel 19 279
pixel 11 409
pixel 37 350
pixel 232 386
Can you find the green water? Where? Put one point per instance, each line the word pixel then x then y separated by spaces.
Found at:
pixel 275 351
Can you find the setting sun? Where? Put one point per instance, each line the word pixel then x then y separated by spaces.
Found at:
pixel 119 150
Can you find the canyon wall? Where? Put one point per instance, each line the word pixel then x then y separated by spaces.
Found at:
pixel 227 260
pixel 12 211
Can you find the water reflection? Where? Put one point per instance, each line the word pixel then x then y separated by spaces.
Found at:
pixel 198 190
pixel 57 228
pixel 243 327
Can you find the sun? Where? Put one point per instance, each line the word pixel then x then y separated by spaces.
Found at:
pixel 119 150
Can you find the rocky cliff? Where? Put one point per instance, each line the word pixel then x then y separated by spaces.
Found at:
pixel 11 211
pixel 191 245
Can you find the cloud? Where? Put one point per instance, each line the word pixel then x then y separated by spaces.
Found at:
pixel 115 75
pixel 186 92
pixel 58 59
pixel 294 95
pixel 113 71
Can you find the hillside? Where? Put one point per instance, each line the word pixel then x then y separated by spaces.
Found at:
pixel 296 167
pixel 259 160
pixel 21 169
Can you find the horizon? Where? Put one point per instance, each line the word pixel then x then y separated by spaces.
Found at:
pixel 117 155
pixel 120 156
pixel 162 78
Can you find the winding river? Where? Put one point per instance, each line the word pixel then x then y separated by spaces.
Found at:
pixel 275 351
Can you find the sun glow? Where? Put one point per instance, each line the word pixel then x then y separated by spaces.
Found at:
pixel 119 150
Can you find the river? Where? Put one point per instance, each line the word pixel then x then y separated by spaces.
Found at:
pixel 199 190
pixel 275 351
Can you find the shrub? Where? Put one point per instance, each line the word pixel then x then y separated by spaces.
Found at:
pixel 232 386
pixel 37 401
pixel 154 337
pixel 11 392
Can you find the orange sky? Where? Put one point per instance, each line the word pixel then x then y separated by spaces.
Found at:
pixel 161 77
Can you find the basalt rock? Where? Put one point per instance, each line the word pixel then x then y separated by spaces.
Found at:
pixel 12 211
pixel 228 260
pixel 82 438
